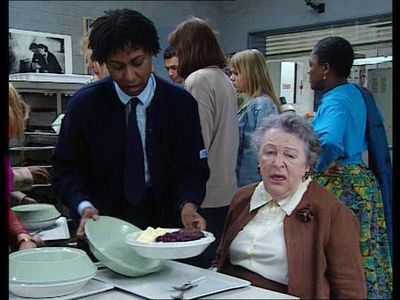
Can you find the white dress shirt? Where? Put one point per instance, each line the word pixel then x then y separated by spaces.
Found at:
pixel 260 245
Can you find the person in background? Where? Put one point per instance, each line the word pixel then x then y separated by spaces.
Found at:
pixel 97 70
pixel 36 58
pixel 171 63
pixel 12 61
pixel 340 123
pixel 201 63
pixel 18 238
pixel 251 78
pixel 48 62
pixel 287 233
pixel 140 157
pixel 25 177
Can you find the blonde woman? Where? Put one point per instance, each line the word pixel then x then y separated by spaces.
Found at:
pixel 24 177
pixel 250 76
pixel 98 70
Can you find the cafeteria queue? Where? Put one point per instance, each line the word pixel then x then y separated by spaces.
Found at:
pixel 156 154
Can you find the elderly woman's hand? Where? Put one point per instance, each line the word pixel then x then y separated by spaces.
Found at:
pixel 88 213
pixel 190 218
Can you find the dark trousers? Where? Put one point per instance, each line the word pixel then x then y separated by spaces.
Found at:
pixel 215 218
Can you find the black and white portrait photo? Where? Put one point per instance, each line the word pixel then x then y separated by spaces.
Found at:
pixel 39 52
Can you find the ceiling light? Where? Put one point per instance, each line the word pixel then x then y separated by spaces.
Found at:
pixel 372 60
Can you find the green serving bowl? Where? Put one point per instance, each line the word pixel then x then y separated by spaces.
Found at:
pixel 30 213
pixel 106 238
pixel 49 265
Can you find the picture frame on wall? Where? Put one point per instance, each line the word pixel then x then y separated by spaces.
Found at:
pixel 39 52
pixel 87 22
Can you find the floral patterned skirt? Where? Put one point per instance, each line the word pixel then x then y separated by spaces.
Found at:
pixel 358 189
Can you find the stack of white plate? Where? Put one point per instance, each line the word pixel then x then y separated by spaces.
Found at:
pixel 49 272
pixel 36 216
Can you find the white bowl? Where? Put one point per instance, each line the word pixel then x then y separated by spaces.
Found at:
pixel 48 290
pixel 106 237
pixel 49 265
pixel 170 250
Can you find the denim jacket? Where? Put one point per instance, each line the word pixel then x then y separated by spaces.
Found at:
pixel 250 116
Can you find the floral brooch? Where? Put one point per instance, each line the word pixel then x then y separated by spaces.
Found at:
pixel 305 214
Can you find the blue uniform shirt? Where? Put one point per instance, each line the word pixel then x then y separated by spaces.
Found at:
pixel 340 124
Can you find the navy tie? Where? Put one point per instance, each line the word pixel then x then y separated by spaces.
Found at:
pixel 134 183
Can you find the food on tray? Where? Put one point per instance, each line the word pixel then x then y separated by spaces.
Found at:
pixel 182 235
pixel 150 234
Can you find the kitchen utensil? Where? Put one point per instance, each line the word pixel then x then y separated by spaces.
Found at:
pixel 186 286
pixel 189 284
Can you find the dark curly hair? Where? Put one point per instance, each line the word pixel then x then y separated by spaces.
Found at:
pixel 337 52
pixel 120 29
pixel 169 52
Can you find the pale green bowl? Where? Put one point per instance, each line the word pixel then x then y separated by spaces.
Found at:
pixel 106 238
pixel 49 265
pixel 28 213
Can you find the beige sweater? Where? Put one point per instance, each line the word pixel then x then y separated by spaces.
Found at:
pixel 22 179
pixel 216 98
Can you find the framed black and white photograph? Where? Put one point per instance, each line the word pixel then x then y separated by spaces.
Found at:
pixel 39 52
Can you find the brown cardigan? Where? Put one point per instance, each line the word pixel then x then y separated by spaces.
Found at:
pixel 324 259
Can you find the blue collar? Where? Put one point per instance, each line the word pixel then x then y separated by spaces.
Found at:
pixel 145 96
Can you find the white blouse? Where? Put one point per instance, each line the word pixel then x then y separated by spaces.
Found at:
pixel 260 245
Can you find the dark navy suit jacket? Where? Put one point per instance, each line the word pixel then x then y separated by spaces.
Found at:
pixel 88 161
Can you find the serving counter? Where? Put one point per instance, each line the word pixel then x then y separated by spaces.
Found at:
pixel 108 285
pixel 159 285
pixel 249 292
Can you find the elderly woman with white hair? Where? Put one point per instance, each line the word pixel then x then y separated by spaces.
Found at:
pixel 287 233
